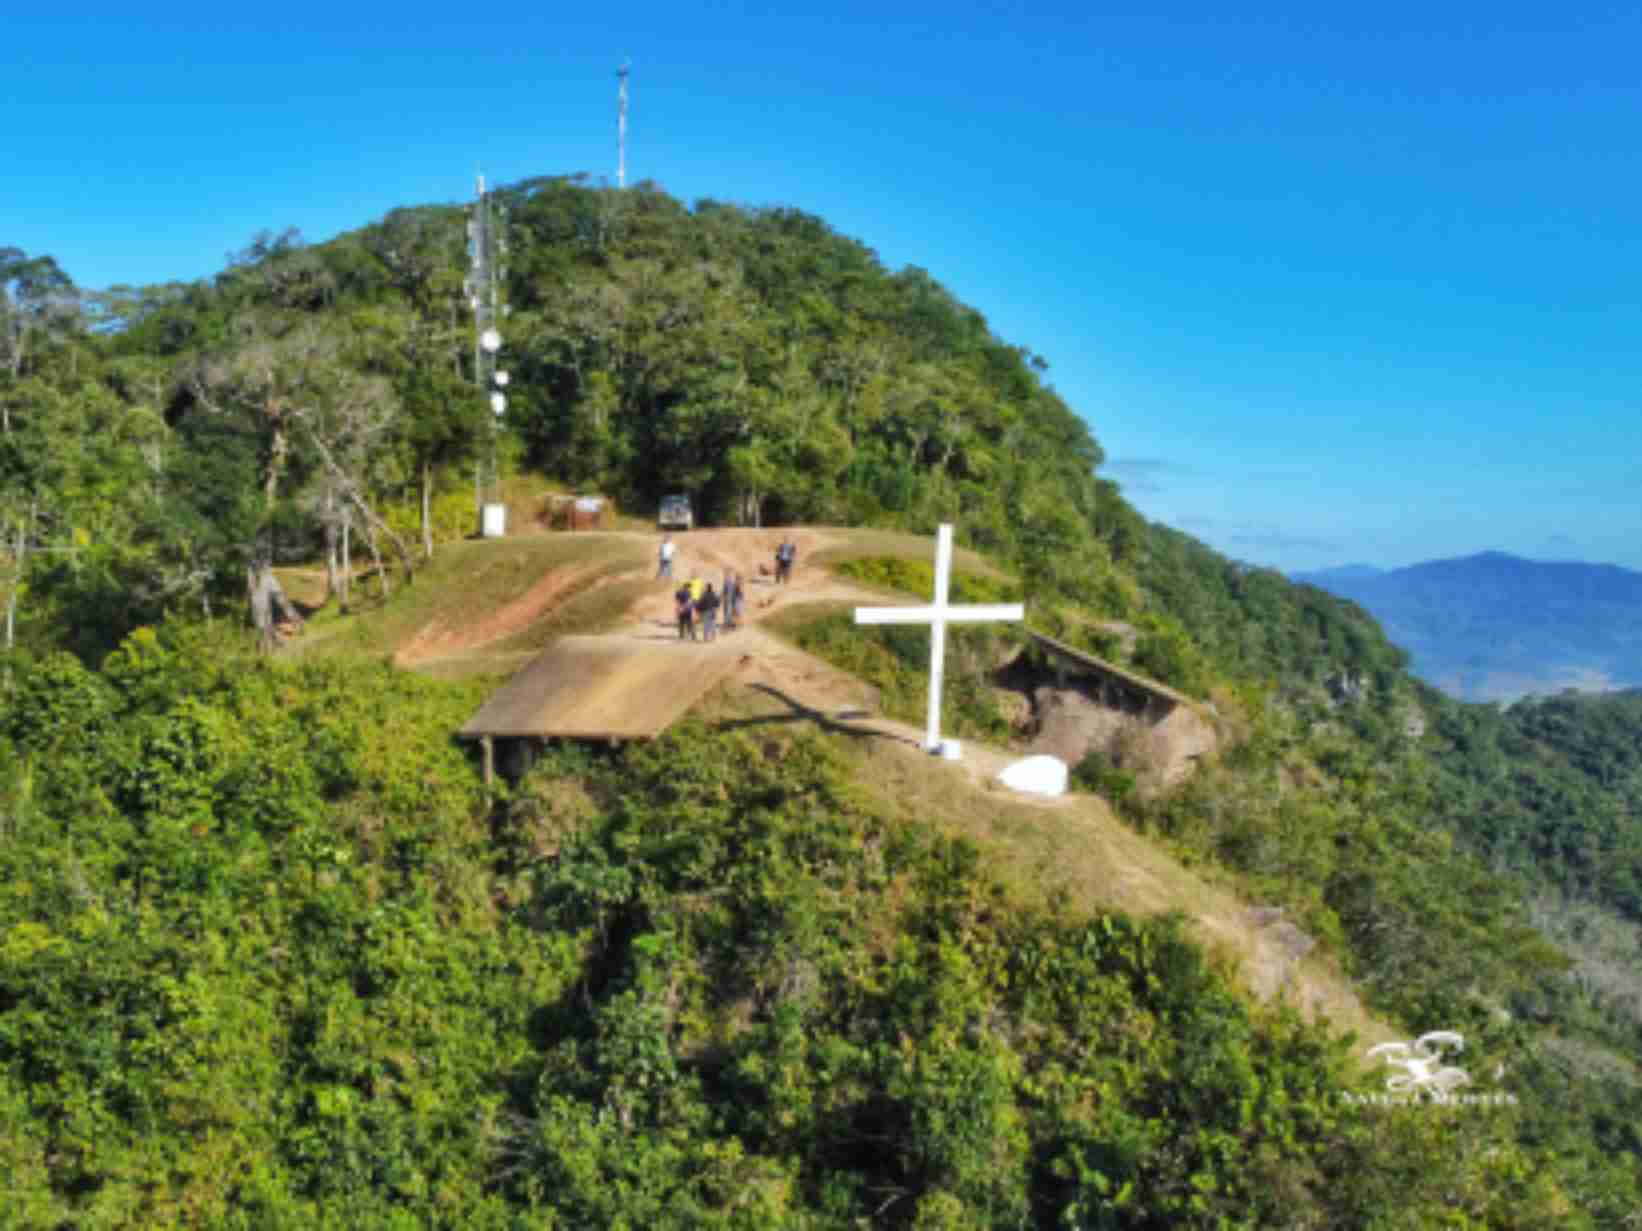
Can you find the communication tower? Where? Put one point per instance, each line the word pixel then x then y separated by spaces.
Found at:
pixel 621 125
pixel 487 277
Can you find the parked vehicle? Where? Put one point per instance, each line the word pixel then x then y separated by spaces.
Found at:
pixel 676 514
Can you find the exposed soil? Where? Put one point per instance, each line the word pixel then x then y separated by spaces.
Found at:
pixel 440 640
pixel 704 553
pixel 709 553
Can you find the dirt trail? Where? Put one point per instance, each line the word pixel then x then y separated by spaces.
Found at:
pixel 439 640
pixel 801 681
pixel 704 553
pixel 709 553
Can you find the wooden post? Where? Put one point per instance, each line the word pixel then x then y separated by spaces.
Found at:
pixel 489 746
pixel 17 583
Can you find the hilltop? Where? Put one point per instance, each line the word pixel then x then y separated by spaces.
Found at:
pixel 774 968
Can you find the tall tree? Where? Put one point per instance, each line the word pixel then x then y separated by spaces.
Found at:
pixel 35 297
pixel 423 255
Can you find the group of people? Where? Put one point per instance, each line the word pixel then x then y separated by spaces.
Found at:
pixel 697 603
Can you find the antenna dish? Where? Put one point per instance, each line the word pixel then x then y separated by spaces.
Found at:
pixel 498 403
pixel 502 378
pixel 491 340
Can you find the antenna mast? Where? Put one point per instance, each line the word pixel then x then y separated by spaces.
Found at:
pixel 621 126
pixel 487 275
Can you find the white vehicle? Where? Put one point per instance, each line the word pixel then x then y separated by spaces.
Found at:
pixel 675 514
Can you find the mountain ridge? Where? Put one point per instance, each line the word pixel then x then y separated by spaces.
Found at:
pixel 1493 626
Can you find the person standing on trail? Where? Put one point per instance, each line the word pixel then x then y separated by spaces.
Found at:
pixel 707 605
pixel 684 607
pixel 783 561
pixel 696 585
pixel 667 550
pixel 732 594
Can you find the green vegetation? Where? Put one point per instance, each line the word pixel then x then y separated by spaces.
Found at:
pixel 486 576
pixel 281 968
pixel 269 958
pixel 1552 788
pixel 917 577
pixel 159 443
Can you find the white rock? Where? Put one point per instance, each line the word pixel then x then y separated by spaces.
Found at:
pixel 1042 775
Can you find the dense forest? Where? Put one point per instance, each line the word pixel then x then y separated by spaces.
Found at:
pixel 269 956
pixel 754 359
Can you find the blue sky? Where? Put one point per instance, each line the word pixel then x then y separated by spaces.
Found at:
pixel 1327 287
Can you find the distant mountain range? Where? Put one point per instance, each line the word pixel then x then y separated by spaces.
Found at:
pixel 1494 627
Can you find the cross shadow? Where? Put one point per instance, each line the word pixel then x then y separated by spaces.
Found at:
pixel 666 630
pixel 662 630
pixel 839 722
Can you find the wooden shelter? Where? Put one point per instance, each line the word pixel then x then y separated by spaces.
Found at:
pixel 1117 687
pixel 1177 729
pixel 597 688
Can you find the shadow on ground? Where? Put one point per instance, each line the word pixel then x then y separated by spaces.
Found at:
pixel 842 721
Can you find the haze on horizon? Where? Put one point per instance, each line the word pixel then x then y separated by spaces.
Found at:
pixel 1328 290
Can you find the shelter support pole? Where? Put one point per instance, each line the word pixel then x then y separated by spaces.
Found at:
pixel 489 746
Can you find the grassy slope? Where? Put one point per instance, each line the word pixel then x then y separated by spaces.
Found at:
pixel 852 544
pixel 470 580
pixel 1079 850
pixel 1076 850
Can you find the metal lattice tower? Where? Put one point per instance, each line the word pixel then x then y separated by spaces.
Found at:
pixel 621 126
pixel 487 276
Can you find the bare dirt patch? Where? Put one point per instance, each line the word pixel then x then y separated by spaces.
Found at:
pixel 438 639
pixel 708 554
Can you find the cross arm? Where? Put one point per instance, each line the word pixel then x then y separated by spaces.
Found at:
pixel 968 614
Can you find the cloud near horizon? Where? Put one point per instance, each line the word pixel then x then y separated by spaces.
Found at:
pixel 1270 538
pixel 1143 474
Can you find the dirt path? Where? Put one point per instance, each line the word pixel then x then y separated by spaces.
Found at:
pixel 786 673
pixel 439 640
pixel 751 553
pixel 708 554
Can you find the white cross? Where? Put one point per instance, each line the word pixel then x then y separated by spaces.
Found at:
pixel 938 615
